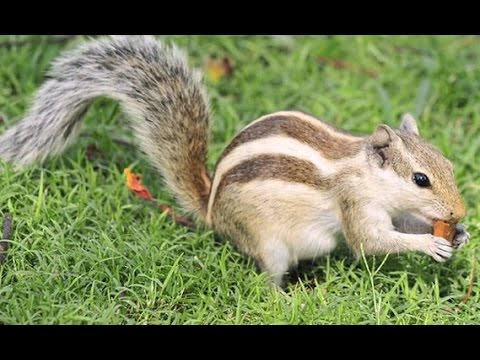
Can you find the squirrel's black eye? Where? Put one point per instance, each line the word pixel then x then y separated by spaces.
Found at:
pixel 421 180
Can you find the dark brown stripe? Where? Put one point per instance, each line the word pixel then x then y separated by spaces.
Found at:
pixel 279 167
pixel 301 130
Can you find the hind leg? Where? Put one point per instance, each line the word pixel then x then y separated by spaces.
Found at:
pixel 249 234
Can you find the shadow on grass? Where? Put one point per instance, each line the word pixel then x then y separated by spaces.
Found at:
pixel 419 268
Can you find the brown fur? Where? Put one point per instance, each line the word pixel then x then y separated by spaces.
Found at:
pixel 406 153
pixel 317 137
pixel 279 167
pixel 236 222
pixel 438 169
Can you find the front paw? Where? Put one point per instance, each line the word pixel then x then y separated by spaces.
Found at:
pixel 462 236
pixel 438 248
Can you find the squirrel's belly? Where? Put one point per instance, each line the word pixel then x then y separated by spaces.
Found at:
pixel 299 215
pixel 317 238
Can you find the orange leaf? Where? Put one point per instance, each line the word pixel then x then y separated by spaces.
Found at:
pixel 217 69
pixel 134 183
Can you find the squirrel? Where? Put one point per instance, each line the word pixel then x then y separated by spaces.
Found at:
pixel 287 188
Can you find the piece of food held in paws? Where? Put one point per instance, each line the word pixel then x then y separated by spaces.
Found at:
pixel 445 230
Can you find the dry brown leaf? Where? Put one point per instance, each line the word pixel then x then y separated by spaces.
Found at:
pixel 134 183
pixel 217 69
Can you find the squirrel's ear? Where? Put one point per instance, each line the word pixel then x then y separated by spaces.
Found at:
pixel 384 136
pixel 382 144
pixel 409 124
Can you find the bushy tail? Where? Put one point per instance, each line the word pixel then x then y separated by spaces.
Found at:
pixel 165 99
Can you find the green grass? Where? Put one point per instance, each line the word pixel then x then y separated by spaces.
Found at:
pixel 86 251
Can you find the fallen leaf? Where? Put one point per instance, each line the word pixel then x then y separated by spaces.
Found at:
pixel 217 69
pixel 134 183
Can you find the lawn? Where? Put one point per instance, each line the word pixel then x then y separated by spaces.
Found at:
pixel 84 250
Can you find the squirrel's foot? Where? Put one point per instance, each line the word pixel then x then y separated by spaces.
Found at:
pixel 462 236
pixel 439 248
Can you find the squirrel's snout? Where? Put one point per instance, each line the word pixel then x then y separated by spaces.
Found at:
pixel 458 211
